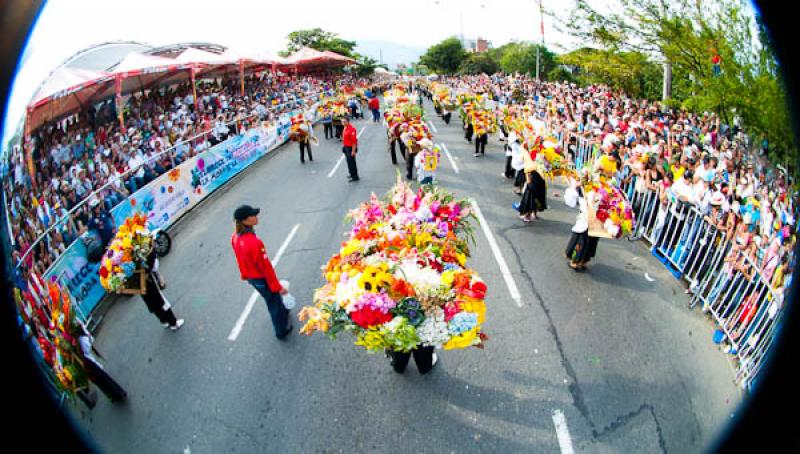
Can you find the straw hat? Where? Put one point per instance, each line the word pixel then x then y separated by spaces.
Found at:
pixel 717 198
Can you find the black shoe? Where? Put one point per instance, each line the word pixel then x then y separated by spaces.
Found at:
pixel 286 333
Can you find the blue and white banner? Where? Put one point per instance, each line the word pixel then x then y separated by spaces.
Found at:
pixel 171 195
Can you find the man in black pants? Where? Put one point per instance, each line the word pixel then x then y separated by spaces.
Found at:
pixel 392 147
pixel 350 148
pixel 410 157
pixel 480 144
pixel 469 132
pixel 305 145
pixel 423 356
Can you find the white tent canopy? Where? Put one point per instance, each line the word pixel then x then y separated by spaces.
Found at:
pixel 135 61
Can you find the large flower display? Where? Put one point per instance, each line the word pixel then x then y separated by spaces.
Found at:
pixel 400 280
pixel 610 207
pixel 127 252
pixel 299 130
pixel 47 311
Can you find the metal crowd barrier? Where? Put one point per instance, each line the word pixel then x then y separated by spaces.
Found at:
pixel 727 283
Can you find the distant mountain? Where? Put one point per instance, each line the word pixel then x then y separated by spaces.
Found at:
pixel 393 53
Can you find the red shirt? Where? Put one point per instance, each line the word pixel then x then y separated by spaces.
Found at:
pixel 253 261
pixel 350 138
pixel 374 104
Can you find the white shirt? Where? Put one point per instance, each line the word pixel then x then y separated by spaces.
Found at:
pixel 573 199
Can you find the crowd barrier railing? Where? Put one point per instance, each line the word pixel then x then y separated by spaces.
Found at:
pixel 728 284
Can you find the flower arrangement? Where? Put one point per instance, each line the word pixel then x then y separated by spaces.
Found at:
pixel 483 121
pixel 611 207
pixel 298 131
pixel 127 252
pixel 413 134
pixel 46 308
pixel 400 280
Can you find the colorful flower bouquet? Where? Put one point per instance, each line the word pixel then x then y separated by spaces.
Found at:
pixel 400 279
pixel 610 208
pixel 414 133
pixel 46 308
pixel 298 131
pixel 127 253
pixel 483 121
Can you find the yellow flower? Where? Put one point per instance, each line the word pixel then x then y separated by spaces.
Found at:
pixel 447 277
pixel 476 307
pixel 372 340
pixel 463 340
pixel 350 247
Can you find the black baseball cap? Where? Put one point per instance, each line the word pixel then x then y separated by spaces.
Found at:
pixel 244 212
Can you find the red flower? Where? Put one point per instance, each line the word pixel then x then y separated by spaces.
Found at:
pixel 602 215
pixel 368 317
pixel 476 290
pixel 450 310
pixel 392 209
pixel 103 272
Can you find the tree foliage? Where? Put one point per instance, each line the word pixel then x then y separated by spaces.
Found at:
pixel 319 39
pixel 481 63
pixel 445 57
pixel 520 57
pixel 688 34
pixel 630 71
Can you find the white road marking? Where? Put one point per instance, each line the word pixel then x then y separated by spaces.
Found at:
pixel 564 440
pixel 430 124
pixel 237 328
pixel 498 256
pixel 341 158
pixel 449 157
pixel 338 163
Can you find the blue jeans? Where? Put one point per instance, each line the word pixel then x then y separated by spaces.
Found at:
pixel 375 115
pixel 279 314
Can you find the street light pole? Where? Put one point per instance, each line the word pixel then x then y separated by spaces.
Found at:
pixel 538 48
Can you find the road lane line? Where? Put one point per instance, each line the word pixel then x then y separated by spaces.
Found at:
pixel 237 328
pixel 498 256
pixel 341 158
pixel 562 432
pixel 449 157
pixel 430 124
pixel 338 163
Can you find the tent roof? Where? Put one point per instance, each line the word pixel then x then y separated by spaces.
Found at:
pixel 135 61
pixel 192 55
pixel 64 79
pixel 308 55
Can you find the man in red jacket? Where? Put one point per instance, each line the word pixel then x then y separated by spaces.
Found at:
pixel 374 106
pixel 256 269
pixel 350 148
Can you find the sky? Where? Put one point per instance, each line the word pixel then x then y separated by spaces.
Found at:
pixel 65 27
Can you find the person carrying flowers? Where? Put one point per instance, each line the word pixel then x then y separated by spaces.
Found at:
pixel 581 247
pixel 155 300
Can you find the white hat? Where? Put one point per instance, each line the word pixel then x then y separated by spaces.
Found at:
pixel 717 198
pixel 94 202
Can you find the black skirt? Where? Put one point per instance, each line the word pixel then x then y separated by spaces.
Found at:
pixel 581 247
pixel 519 181
pixel 534 198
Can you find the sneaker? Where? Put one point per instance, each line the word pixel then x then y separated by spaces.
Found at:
pixel 476 154
pixel 178 325
pixel 165 325
pixel 435 360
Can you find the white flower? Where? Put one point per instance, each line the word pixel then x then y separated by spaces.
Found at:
pixel 433 330
pixel 424 213
pixel 423 279
pixel 348 293
pixel 611 228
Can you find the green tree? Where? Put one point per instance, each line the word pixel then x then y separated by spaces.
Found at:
pixel 445 57
pixel 367 65
pixel 688 34
pixel 319 39
pixel 630 71
pixel 520 57
pixel 481 63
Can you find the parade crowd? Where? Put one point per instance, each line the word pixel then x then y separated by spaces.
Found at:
pixel 74 156
pixel 714 189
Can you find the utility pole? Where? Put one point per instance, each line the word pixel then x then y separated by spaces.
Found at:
pixel 461 26
pixel 538 48
pixel 667 88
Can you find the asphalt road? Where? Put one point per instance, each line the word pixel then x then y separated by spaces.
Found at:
pixel 615 361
